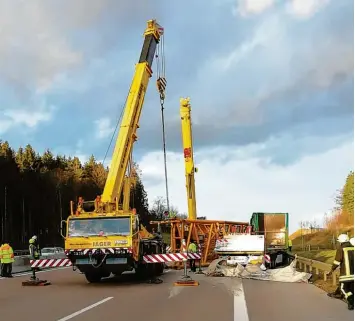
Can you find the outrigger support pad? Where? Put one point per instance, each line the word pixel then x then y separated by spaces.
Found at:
pixel 34 281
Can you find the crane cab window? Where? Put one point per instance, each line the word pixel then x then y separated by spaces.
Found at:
pixel 99 227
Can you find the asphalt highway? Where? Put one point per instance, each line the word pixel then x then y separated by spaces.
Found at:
pixel 70 297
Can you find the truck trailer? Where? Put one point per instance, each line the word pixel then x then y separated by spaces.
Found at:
pixel 265 241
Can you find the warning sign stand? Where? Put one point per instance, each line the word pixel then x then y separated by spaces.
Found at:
pixel 34 281
pixel 199 271
pixel 186 279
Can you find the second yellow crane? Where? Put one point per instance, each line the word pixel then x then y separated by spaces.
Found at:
pixel 187 143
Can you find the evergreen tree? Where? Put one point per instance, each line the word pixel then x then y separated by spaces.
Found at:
pixel 38 190
pixel 348 197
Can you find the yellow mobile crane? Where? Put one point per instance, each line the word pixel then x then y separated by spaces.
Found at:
pixel 205 232
pixel 187 143
pixel 101 236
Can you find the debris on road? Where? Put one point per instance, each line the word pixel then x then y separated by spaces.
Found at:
pixel 289 273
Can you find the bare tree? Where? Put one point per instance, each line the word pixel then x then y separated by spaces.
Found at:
pixel 159 207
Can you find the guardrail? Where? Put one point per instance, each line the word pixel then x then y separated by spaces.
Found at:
pixel 315 267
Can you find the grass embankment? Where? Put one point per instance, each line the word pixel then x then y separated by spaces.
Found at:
pixel 320 247
pixel 326 256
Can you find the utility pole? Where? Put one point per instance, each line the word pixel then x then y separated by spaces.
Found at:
pixel 23 221
pixel 60 211
pixel 5 217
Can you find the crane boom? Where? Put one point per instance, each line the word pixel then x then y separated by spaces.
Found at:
pixel 187 142
pixel 130 120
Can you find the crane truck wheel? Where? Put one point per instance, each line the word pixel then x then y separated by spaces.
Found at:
pixel 93 277
pixel 160 268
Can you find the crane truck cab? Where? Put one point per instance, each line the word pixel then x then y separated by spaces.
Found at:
pixel 99 243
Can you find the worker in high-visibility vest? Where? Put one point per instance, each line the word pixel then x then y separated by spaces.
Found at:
pixel 7 258
pixel 290 245
pixel 344 259
pixel 34 248
pixel 192 249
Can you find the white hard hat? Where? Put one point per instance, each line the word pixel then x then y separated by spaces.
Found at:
pixel 352 241
pixel 34 237
pixel 343 238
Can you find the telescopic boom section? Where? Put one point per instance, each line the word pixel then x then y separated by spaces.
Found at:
pixel 186 130
pixel 130 120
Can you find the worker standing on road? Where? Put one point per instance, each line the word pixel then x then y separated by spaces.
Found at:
pixel 192 249
pixel 290 245
pixel 7 258
pixel 344 258
pixel 34 248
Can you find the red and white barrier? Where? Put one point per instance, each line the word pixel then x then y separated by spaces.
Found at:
pixel 44 263
pixel 170 257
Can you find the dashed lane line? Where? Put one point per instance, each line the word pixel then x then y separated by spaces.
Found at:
pixel 240 305
pixel 73 315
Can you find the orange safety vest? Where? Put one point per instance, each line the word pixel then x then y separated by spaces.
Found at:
pixel 6 254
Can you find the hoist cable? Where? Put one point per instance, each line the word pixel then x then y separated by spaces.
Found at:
pixel 161 76
pixel 164 152
pixel 114 132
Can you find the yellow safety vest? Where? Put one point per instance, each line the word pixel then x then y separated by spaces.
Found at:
pixel 6 254
pixel 34 250
pixel 192 248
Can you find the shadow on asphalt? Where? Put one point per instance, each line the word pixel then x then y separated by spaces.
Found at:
pixel 125 280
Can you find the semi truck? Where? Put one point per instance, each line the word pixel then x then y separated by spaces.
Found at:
pixel 274 228
pixel 265 241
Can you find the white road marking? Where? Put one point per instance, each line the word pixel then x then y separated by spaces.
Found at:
pixel 240 305
pixel 15 275
pixel 176 290
pixel 70 316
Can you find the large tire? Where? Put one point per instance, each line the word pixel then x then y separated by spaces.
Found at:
pixel 160 268
pixel 93 277
pixel 141 271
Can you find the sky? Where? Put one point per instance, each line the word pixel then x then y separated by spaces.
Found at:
pixel 271 85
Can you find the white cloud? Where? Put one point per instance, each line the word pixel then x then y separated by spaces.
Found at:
pixel 32 47
pixel 5 125
pixel 23 117
pixel 27 118
pixel 305 8
pixel 268 33
pixel 38 38
pixel 252 7
pixel 234 187
pixel 103 127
